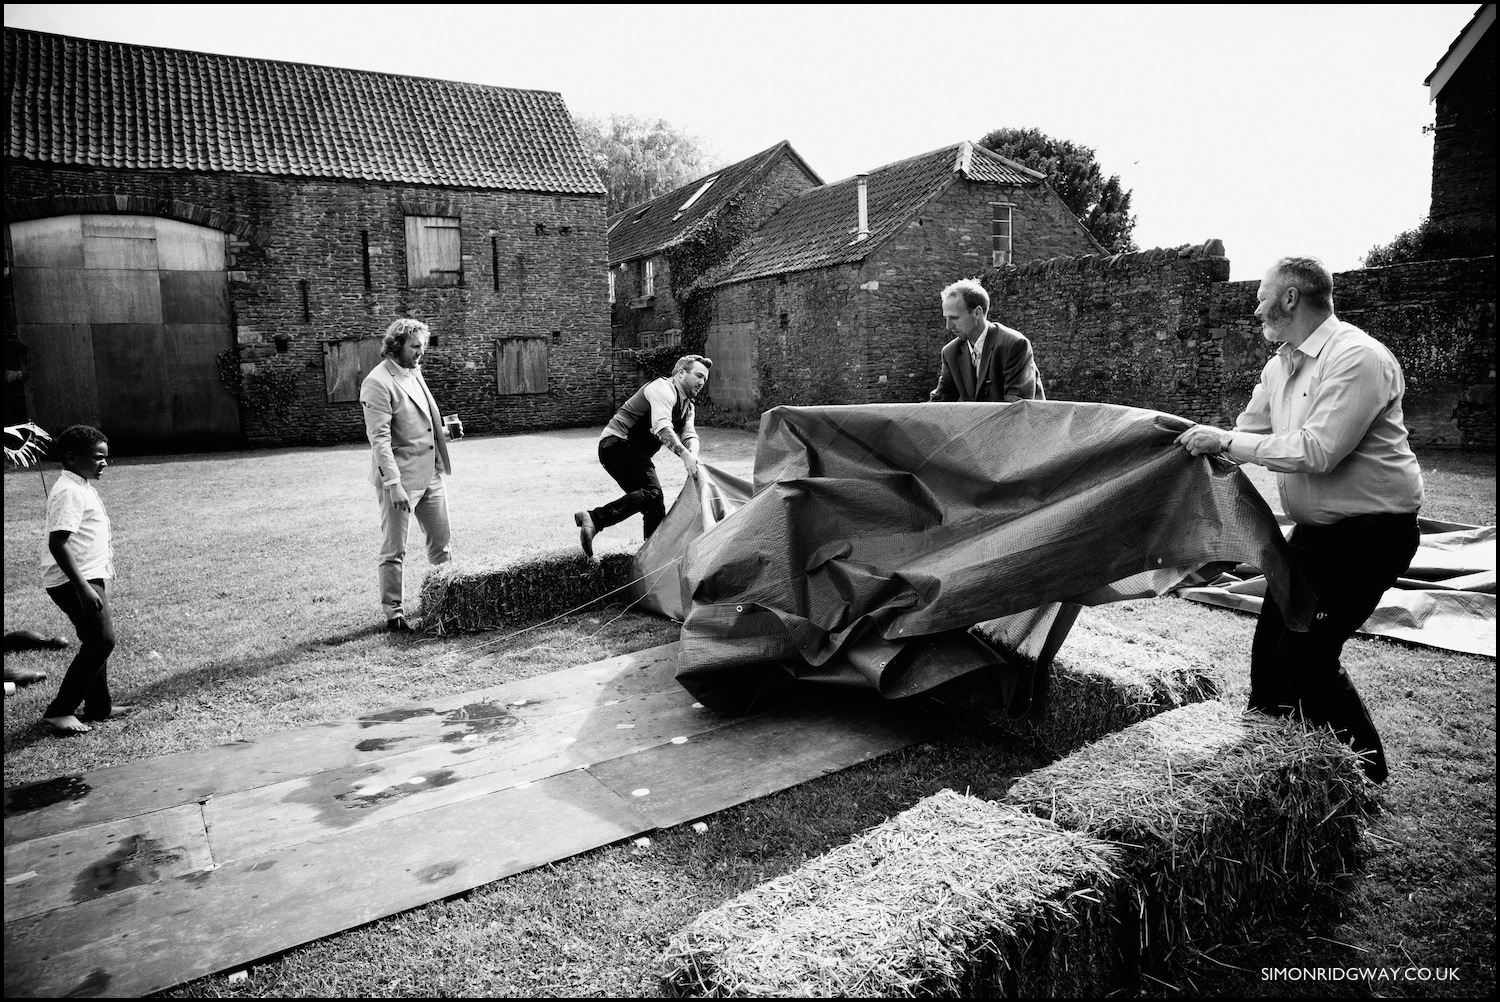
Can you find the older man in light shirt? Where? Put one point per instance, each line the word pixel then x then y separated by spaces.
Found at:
pixel 1326 417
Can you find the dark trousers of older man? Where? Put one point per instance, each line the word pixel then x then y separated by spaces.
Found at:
pixel 636 475
pixel 1349 565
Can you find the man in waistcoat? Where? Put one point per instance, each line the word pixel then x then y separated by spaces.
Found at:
pixel 659 413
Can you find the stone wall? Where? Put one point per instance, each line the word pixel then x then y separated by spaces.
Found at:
pixel 533 266
pixel 1164 329
pixel 1125 329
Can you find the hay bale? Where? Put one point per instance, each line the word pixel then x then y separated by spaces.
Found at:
pixel 458 600
pixel 955 896
pixel 1227 817
pixel 1102 680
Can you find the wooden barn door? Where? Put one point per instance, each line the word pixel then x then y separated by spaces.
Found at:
pixel 123 319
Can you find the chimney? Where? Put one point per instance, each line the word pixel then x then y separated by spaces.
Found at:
pixel 864 212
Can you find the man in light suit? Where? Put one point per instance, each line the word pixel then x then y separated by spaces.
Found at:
pixel 408 459
pixel 986 361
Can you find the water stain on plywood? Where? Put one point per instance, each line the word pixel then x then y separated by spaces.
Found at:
pixel 136 860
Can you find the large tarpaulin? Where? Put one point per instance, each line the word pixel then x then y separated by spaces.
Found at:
pixel 1446 599
pixel 894 546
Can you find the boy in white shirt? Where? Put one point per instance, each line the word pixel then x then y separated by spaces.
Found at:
pixel 78 562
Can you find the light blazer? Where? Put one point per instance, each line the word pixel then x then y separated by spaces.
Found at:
pixel 1007 370
pixel 405 430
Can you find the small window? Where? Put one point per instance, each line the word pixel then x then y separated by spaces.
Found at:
pixel 1000 245
pixel 521 365
pixel 346 364
pixel 432 252
pixel 696 195
pixel 648 277
pixel 611 274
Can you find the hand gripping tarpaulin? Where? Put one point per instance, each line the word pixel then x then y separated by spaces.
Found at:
pixel 894 546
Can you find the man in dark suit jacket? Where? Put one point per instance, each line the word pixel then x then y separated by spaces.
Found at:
pixel 986 361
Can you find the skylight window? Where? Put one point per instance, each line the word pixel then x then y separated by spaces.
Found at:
pixel 696 195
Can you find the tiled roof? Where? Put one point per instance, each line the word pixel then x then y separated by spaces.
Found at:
pixel 817 228
pixel 106 104
pixel 651 226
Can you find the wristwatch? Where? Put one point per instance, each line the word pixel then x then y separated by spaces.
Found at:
pixel 1224 440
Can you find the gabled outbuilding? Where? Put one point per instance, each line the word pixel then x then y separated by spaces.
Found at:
pixel 714 213
pixel 835 298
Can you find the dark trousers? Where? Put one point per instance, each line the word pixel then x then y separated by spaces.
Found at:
pixel 636 475
pixel 86 682
pixel 1349 565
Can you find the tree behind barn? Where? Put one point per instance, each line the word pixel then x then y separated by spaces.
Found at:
pixel 640 158
pixel 1102 204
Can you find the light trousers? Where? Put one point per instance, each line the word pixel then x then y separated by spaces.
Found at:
pixel 431 510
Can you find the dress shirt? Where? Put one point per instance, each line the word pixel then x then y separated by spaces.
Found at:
pixel 976 350
pixel 1326 417
pixel 73 505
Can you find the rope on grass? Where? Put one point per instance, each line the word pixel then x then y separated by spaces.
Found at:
pixel 652 575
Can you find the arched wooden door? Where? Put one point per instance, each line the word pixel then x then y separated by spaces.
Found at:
pixel 123 319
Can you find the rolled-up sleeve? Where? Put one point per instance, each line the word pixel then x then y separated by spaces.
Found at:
pixel 662 399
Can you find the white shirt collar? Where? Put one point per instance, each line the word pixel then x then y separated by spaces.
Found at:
pixel 1318 338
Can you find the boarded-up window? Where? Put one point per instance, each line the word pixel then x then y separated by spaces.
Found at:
pixel 432 251
pixel 521 365
pixel 346 364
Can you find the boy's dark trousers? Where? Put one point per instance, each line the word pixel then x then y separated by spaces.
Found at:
pixel 86 682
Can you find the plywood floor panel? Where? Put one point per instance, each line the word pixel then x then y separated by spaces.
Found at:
pixel 132 879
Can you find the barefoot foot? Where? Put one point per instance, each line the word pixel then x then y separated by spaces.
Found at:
pixel 66 725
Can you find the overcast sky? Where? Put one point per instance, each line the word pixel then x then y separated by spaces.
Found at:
pixel 1278 129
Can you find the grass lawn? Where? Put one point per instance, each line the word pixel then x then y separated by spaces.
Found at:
pixel 246 604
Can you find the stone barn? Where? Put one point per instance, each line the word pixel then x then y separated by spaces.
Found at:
pixel 202 251
pixel 835 298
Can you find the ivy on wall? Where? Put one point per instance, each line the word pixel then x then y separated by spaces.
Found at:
pixel 267 392
pixel 700 248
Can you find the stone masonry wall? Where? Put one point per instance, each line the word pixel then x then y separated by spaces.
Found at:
pixel 809 346
pixel 1165 330
pixel 550 253
pixel 1126 329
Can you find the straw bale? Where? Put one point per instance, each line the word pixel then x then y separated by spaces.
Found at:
pixel 1105 679
pixel 955 896
pixel 458 600
pixel 1228 817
